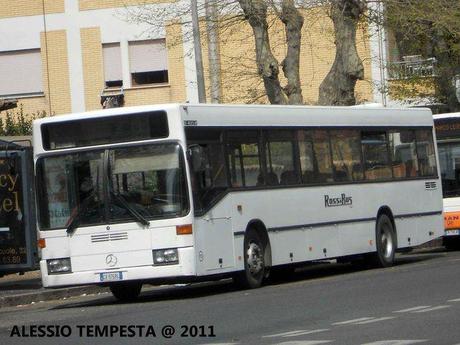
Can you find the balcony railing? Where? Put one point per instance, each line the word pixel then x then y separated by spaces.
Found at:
pixel 413 66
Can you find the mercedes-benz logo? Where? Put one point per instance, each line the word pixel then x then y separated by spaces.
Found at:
pixel 111 260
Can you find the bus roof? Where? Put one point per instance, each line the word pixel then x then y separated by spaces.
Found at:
pixel 105 112
pixel 446 116
pixel 271 115
pixel 290 115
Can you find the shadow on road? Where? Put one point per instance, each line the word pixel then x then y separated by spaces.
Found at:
pixel 323 269
pixel 163 293
pixel 305 272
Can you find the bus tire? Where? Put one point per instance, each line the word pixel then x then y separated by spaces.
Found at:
pixel 254 261
pixel 126 292
pixel 385 241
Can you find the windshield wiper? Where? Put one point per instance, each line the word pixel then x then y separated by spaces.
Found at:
pixel 140 218
pixel 75 218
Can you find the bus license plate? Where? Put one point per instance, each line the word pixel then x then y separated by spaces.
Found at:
pixel 452 232
pixel 110 276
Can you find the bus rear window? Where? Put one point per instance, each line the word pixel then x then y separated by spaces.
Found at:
pixel 105 130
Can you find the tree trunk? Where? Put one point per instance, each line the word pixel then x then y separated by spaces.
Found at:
pixel 293 22
pixel 255 12
pixel 338 88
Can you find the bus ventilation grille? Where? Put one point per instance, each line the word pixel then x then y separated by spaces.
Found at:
pixel 430 185
pixel 109 237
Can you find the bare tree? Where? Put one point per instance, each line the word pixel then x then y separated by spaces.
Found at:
pixel 255 12
pixel 338 88
pixel 280 78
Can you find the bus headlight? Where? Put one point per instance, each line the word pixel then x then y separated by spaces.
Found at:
pixel 166 257
pixel 56 266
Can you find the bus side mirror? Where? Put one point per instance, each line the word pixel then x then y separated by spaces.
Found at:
pixel 197 158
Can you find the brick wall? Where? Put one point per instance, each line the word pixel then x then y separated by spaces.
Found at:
pixel 21 8
pixel 174 91
pixel 99 4
pixel 58 71
pixel 93 67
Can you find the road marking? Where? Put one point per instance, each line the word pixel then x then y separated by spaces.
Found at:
pixel 306 342
pixel 352 321
pixel 221 344
pixel 412 309
pixel 284 334
pixel 454 300
pixel 305 333
pixel 397 342
pixel 432 309
pixel 375 320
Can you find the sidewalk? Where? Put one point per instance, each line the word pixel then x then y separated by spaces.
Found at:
pixel 18 289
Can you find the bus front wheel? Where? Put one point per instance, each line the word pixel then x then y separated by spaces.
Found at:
pixel 126 291
pixel 254 261
pixel 385 240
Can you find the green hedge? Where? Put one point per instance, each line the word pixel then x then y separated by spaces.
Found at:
pixel 16 122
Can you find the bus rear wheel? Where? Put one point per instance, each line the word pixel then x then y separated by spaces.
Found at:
pixel 126 292
pixel 254 261
pixel 385 240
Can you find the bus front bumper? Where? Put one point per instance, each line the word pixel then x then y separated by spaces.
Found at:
pixel 185 268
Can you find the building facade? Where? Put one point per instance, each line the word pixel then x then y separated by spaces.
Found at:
pixel 63 56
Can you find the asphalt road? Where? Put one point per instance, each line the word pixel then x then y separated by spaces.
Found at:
pixel 415 302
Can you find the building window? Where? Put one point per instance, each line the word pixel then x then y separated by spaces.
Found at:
pixel 148 62
pixel 112 65
pixel 21 72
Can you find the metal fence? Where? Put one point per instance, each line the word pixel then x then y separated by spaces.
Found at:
pixel 413 66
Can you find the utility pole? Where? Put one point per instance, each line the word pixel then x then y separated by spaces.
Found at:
pixel 198 55
pixel 213 50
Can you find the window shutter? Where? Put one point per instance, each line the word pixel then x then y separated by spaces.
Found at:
pixel 148 56
pixel 112 62
pixel 21 72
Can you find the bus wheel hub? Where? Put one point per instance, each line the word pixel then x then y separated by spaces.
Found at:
pixel 255 259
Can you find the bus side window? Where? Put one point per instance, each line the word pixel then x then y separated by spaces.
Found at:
pixel 280 158
pixel 211 179
pixel 425 152
pixel 244 158
pixel 403 153
pixel 376 156
pixel 346 155
pixel 315 156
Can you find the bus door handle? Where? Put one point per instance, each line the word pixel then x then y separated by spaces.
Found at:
pixel 208 219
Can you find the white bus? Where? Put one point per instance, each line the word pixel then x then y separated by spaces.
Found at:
pixel 448 141
pixel 182 193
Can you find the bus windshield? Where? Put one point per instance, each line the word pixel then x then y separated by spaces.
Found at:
pixel 127 184
pixel 449 159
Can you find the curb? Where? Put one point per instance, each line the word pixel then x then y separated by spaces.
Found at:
pixel 49 295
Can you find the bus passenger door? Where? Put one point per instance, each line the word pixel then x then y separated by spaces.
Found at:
pixel 216 238
pixel 213 234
